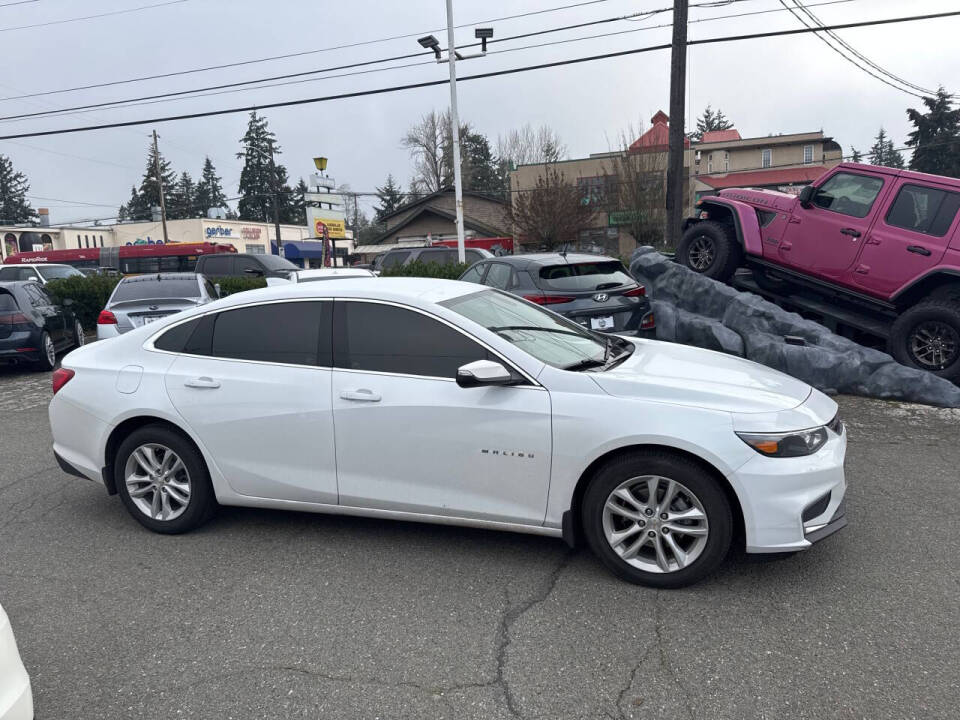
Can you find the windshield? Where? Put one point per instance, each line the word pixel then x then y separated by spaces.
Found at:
pixel 546 336
pixel 153 289
pixel 588 276
pixel 55 272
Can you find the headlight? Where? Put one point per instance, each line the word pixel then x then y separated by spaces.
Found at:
pixel 793 444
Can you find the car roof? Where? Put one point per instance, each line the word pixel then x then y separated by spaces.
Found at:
pixel 155 277
pixel 548 259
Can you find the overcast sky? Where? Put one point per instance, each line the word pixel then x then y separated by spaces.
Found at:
pixel 780 85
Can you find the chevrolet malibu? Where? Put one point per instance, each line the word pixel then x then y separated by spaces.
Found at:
pixel 436 401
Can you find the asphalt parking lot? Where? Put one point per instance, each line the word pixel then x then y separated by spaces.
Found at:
pixel 279 615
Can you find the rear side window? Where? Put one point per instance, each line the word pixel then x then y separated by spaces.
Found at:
pixel 12 272
pixel 584 276
pixel 153 289
pixel 385 338
pixel 175 339
pixel 499 276
pixel 216 265
pixel 295 332
pixel 474 274
pixel 442 257
pixel 393 259
pixel 924 210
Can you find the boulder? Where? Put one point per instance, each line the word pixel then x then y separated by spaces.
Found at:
pixel 665 315
pixel 705 332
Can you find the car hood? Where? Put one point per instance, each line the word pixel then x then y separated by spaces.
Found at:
pixel 762 198
pixel 684 375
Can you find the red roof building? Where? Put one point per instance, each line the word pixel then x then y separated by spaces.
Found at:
pixel 657 138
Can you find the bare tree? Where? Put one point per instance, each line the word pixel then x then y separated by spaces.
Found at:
pixel 550 214
pixel 528 145
pixel 426 142
pixel 636 181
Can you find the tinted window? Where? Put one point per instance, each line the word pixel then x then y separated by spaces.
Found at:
pixel 217 265
pixel 12 272
pixel 211 290
pixel 384 338
pixel 53 272
pixel 924 210
pixel 393 259
pixel 8 302
pixel 246 266
pixel 849 194
pixel 175 339
pixel 474 274
pixel 471 256
pixel 275 262
pixel 584 276
pixel 153 289
pixel 498 276
pixel 277 332
pixel 37 295
pixel 442 257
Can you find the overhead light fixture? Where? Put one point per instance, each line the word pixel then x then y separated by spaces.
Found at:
pixel 483 34
pixel 431 43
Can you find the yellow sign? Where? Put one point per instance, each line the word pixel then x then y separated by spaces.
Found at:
pixel 336 228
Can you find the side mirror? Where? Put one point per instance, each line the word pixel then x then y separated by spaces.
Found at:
pixel 807 195
pixel 254 272
pixel 217 290
pixel 483 372
pixel 67 302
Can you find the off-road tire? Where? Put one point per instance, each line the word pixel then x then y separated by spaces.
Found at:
pixel 933 313
pixel 667 465
pixel 202 504
pixel 725 253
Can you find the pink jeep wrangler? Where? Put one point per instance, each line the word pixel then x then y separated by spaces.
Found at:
pixel 877 246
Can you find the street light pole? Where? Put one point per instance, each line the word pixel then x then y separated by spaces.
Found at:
pixel 455 132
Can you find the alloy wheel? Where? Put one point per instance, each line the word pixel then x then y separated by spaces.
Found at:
pixel 934 345
pixel 49 350
pixel 655 524
pixel 701 253
pixel 78 331
pixel 157 481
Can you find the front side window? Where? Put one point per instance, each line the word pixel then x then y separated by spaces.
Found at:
pixel 386 338
pixel 848 194
pixel 474 274
pixel 766 158
pixel 584 277
pixel 924 210
pixel 441 257
pixel 548 337
pixel 217 265
pixel 246 266
pixel 498 276
pixel 56 272
pixel 393 259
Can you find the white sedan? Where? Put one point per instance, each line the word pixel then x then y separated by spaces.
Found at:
pixel 315 274
pixel 16 698
pixel 436 401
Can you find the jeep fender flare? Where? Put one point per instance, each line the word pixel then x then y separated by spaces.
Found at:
pixel 741 216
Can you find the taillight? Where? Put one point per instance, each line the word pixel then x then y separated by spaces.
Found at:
pixel 548 299
pixel 648 322
pixel 61 377
pixel 15 318
pixel 640 291
pixel 106 318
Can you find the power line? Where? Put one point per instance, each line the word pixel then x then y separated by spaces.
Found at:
pixel 287 56
pixel 478 76
pixel 18 2
pixel 93 17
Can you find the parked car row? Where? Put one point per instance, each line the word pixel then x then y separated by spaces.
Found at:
pixel 33 328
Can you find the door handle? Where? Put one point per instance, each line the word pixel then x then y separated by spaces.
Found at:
pixel 851 232
pixel 202 383
pixel 918 249
pixel 360 395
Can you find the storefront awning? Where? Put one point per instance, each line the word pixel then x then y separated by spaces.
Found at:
pixel 297 249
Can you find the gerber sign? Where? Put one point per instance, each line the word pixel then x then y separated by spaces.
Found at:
pixel 219 231
pixel 335 227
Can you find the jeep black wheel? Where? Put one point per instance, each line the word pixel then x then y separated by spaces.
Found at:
pixel 927 336
pixel 710 249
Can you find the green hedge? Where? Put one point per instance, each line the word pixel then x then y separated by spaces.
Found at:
pixel 427 269
pixel 89 294
pixel 233 285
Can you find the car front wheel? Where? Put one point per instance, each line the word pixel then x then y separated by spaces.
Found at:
pixel 927 336
pixel 711 249
pixel 163 481
pixel 657 519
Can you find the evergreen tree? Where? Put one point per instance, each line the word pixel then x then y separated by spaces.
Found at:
pixel 209 190
pixel 711 121
pixel 290 214
pixel 148 194
pixel 390 197
pixel 884 153
pixel 300 202
pixel 855 155
pixel 14 206
pixel 183 199
pixel 131 209
pixel 481 172
pixel 936 139
pixel 259 154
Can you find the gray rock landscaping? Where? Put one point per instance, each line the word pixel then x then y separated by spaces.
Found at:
pixel 695 310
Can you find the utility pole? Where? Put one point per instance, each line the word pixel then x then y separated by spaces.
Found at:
pixel 163 205
pixel 678 74
pixel 455 132
pixel 276 200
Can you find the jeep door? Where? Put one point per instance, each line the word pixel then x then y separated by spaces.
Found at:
pixel 824 239
pixel 911 237
pixel 410 439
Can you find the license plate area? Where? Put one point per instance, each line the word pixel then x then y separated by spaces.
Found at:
pixel 604 322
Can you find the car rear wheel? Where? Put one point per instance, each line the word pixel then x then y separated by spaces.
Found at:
pixel 163 481
pixel 710 248
pixel 48 353
pixel 927 336
pixel 657 519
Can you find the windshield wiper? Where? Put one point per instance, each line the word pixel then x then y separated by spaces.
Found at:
pixel 498 328
pixel 585 364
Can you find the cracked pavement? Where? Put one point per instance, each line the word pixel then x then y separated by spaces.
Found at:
pixel 264 614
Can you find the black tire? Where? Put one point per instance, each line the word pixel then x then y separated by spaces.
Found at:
pixel 914 334
pixel 78 336
pixel 46 361
pixel 769 282
pixel 202 503
pixel 719 518
pixel 711 249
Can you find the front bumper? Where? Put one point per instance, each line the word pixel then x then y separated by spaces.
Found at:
pixel 16 697
pixel 790 503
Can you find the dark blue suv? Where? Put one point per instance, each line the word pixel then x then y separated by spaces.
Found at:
pixel 594 291
pixel 32 327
